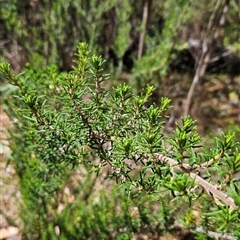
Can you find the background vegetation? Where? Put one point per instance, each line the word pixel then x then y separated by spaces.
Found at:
pixel 61 196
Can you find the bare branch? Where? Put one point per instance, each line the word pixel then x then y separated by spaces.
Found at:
pixel 144 25
pixel 209 188
pixel 216 235
pixel 207 49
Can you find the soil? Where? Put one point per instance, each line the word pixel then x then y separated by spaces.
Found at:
pixel 9 189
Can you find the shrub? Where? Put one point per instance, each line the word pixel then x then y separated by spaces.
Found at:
pixel 74 125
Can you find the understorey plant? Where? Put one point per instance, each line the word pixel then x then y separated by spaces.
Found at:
pixel 67 122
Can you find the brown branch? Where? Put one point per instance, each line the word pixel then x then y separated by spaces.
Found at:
pixel 209 188
pixel 211 161
pixel 144 26
pixel 216 235
pixel 207 49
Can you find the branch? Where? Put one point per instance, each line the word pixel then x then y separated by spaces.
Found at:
pixel 209 188
pixel 216 235
pixel 144 25
pixel 207 49
pixel 211 161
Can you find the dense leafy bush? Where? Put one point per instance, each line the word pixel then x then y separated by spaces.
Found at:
pixel 71 127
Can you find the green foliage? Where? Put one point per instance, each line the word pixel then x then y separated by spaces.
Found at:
pixel 117 217
pixel 154 64
pixel 49 30
pixel 72 121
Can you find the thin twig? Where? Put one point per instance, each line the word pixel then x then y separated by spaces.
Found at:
pixel 144 25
